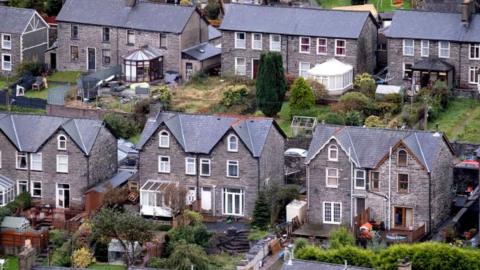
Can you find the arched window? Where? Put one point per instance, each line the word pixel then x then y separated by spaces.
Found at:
pixel 62 142
pixel 333 153
pixel 232 143
pixel 164 139
pixel 402 158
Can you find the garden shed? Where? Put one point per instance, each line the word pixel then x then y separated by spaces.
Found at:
pixel 18 224
pixel 383 90
pixel 335 75
pixel 116 252
pixel 7 190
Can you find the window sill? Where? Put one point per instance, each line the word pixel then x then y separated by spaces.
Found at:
pixel 334 160
pixel 22 169
pixel 106 42
pixel 341 55
pixel 331 186
pixel 304 52
pixel 6 48
pixel 163 48
pixel 74 39
pixel 130 44
pixel 235 177
pixel 62 172
pixel 205 175
pixel 164 172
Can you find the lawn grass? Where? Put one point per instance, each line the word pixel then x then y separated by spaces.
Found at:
pixel 284 120
pixel 135 139
pixel 105 266
pixel 11 263
pixel 64 76
pixel 461 121
pixel 2 84
pixel 380 5
pixel 19 109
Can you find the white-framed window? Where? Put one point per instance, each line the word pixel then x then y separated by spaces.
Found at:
pixel 22 186
pixel 443 49
pixel 340 47
pixel 190 166
pixel 6 62
pixel 474 50
pixel 62 142
pixel 240 66
pixel 473 75
pixel 375 181
pixel 303 68
pixel 424 48
pixel 233 199
pixel 191 196
pixel 164 139
pixel 130 37
pixel 232 141
pixel 36 189
pixel 256 41
pixel 106 34
pixel 408 47
pixel 205 167
pixel 304 45
pixel 62 163
pixel 275 43
pixel 232 168
pixel 163 40
pixel 36 161
pixel 163 164
pixel 240 40
pixel 331 175
pixel 21 161
pixel 407 70
pixel 6 41
pixel 321 46
pixel 360 179
pixel 332 212
pixel 332 152
pixel 402 158
pixel 402 183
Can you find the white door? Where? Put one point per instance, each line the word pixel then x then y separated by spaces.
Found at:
pixel 63 196
pixel 207 198
pixel 191 195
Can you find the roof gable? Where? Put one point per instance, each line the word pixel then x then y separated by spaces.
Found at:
pixel 143 16
pixel 301 21
pixel 15 20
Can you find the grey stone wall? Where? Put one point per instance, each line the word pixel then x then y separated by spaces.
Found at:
pixel 15 53
pixel 272 160
pixel 459 59
pixel 103 157
pixel 359 53
pixel 195 32
pixel 442 182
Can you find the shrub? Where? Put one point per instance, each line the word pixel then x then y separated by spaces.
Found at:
pixel 270 84
pixel 440 89
pixel 82 258
pixel 57 237
pixel 185 3
pixel 4 211
pixel 155 262
pixel 185 254
pixel 353 118
pixel 300 243
pixel 62 256
pixel 33 68
pixel 353 101
pixel 261 212
pixel 319 90
pixel 374 121
pixel 341 237
pixel 234 95
pixel 256 235
pixel 334 119
pixel 312 112
pixel 23 201
pixel 212 9
pixel 122 126
pixel 353 255
pixel 411 114
pixel 301 96
pixel 163 95
pixel 365 84
pixel 393 98
pixel 191 234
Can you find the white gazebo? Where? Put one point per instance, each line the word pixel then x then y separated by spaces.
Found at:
pixel 335 75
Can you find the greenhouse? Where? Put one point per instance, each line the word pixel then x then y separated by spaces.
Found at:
pixel 335 75
pixel 7 190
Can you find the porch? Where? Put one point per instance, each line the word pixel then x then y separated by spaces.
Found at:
pixel 426 72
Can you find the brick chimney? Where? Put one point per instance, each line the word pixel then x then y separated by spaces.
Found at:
pixel 467 8
pixel 130 3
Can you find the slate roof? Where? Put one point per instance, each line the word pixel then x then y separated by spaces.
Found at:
pixel 143 16
pixel 434 26
pixel 213 33
pixel 29 132
pixel 14 20
pixel 203 51
pixel 294 21
pixel 432 64
pixel 314 265
pixel 368 146
pixel 198 133
pixel 117 180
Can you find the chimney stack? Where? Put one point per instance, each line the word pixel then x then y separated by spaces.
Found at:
pixel 467 11
pixel 130 3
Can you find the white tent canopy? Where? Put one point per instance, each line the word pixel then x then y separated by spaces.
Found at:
pixel 335 75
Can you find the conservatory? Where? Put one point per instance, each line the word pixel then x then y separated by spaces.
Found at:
pixel 7 190
pixel 154 198
pixel 143 65
pixel 335 75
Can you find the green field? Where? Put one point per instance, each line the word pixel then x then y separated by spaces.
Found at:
pixel 461 121
pixel 380 5
pixel 64 76
pixel 104 266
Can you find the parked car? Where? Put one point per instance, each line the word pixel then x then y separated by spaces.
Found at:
pixel 296 152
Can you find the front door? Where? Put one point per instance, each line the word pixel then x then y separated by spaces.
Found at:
pixel 188 70
pixel 53 61
pixel 403 217
pixel 63 196
pixel 91 59
pixel 360 205
pixel 206 198
pixel 255 65
pixel 424 79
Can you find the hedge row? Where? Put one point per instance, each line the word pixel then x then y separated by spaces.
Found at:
pixel 428 255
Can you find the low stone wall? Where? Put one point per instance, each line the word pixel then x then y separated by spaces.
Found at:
pixel 466 93
pixel 72 112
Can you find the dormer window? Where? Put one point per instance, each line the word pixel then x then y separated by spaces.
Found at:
pixel 402 158
pixel 62 142
pixel 333 153
pixel 164 139
pixel 232 143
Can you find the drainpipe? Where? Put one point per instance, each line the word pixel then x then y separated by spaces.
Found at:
pixel 429 202
pixel 308 186
pixel 117 49
pixel 389 189
pixel 214 200
pixel 258 175
pixel 88 171
pixel 197 176
pixel 286 55
pixel 351 188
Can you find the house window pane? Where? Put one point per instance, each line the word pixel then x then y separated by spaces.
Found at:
pixel 407 71
pixel 233 201
pixel 164 139
pixel 205 167
pixel 36 161
pixel 163 164
pixel 130 37
pixel 74 32
pixel 275 43
pixel 106 57
pixel 402 182
pixel 240 66
pixel 21 161
pixel 6 42
pixel 475 51
pixel 240 41
pixel 322 46
pixel 190 167
pixel 332 177
pixel 256 41
pixel 6 62
pixel 444 49
pixel 73 53
pixel 232 168
pixel 402 158
pixel 375 181
pixel 360 179
pixel 408 47
pixel 163 41
pixel 36 189
pixel 106 34
pixel 303 68
pixel 62 163
pixel 304 44
pixel 425 48
pixel 340 47
pixel 473 75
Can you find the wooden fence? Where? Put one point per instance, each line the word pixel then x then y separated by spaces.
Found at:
pixel 33 103
pixel 11 241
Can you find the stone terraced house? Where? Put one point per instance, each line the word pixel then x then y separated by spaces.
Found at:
pixel 404 177
pixel 427 46
pixel 222 161
pixel 55 159
pixel 305 37
pixel 23 38
pixel 145 38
